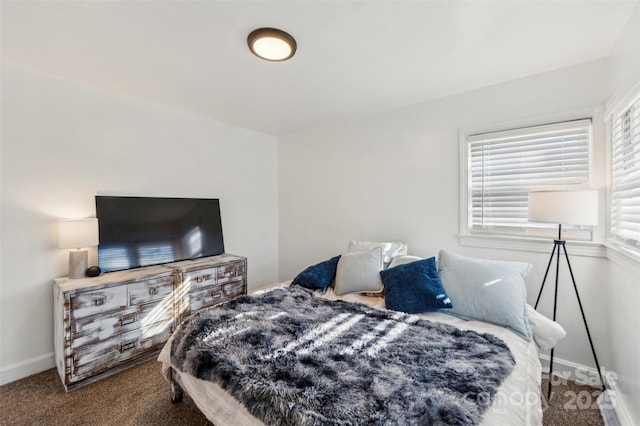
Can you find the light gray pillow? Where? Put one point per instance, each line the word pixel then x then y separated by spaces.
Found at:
pixel 388 249
pixel 359 272
pixel 492 291
pixel 401 259
pixel 546 332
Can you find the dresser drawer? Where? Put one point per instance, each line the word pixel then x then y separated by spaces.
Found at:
pixel 89 360
pixel 87 303
pixel 153 313
pixel 150 290
pixel 207 297
pixel 201 278
pixel 233 288
pixel 210 296
pixel 104 327
pixel 231 272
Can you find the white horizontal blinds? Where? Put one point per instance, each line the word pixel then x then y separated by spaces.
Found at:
pixel 625 176
pixel 505 166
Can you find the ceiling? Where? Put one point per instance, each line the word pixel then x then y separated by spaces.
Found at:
pixel 354 58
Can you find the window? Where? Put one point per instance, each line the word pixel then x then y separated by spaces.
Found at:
pixel 504 166
pixel 625 177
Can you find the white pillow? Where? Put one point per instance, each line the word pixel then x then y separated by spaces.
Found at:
pixel 359 272
pixel 388 249
pixel 487 290
pixel 401 259
pixel 546 332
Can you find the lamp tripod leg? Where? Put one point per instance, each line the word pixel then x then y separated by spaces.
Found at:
pixel 556 245
pixel 545 276
pixel 550 379
pixel 584 319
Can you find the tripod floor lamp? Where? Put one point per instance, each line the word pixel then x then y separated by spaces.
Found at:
pixel 568 207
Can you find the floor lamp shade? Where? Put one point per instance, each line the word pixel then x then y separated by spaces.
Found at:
pixel 78 234
pixel 566 207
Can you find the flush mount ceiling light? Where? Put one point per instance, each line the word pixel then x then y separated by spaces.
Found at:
pixel 271 44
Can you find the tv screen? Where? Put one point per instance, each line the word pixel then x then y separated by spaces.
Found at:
pixel 142 231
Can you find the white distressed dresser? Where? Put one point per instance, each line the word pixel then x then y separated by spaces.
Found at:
pixel 105 324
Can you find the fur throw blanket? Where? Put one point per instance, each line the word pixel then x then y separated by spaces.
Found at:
pixel 295 359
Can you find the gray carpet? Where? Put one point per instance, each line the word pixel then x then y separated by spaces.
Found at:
pixel 140 396
pixel 571 404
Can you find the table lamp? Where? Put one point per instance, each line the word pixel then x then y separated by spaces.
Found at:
pixel 78 234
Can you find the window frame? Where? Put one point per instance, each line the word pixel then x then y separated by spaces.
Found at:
pixel 617 251
pixel 537 243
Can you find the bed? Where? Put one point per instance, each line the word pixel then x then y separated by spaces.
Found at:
pixel 488 398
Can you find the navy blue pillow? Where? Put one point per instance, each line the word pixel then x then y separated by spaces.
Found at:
pixel 414 287
pixel 318 277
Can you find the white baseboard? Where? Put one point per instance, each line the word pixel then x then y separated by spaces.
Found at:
pixel 573 371
pixel 606 405
pixel 18 370
pixel 612 403
pixel 613 409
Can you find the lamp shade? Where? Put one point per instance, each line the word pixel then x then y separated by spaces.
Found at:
pixel 564 207
pixel 78 233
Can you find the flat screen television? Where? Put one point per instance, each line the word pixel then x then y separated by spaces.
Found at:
pixel 143 231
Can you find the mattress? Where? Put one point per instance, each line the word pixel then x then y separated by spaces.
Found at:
pixel 517 401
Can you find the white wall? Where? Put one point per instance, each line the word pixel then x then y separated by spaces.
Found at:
pixel 623 284
pixel 395 176
pixel 623 337
pixel 623 63
pixel 63 143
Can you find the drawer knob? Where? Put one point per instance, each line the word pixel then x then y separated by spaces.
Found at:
pixel 153 291
pixel 128 319
pixel 127 346
pixel 97 301
pixel 199 279
pixel 216 295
